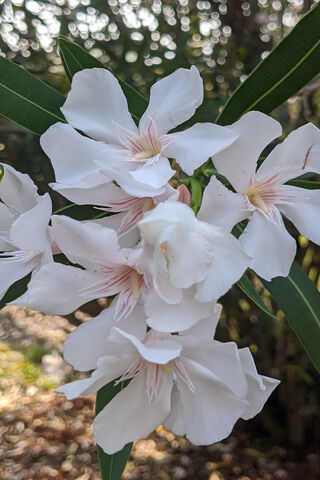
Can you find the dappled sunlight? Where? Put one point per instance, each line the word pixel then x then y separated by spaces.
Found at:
pixel 149 32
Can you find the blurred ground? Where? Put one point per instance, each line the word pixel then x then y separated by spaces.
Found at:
pixel 44 436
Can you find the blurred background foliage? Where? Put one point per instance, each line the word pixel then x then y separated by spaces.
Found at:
pixel 142 41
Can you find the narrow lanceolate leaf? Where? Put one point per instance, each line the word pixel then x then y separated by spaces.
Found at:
pixel 111 466
pixel 17 289
pixel 75 58
pixel 26 100
pixel 248 289
pixel 299 299
pixel 305 184
pixel 290 66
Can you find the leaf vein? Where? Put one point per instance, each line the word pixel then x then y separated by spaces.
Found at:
pixel 305 300
pixel 31 102
pixel 282 79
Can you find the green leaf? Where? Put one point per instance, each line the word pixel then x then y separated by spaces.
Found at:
pixel 299 299
pixel 75 58
pixel 305 184
pixel 111 466
pixel 248 289
pixel 17 289
pixel 290 66
pixel 26 100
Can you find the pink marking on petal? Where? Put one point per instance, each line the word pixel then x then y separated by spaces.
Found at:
pixel 156 378
pixel 136 147
pixel 129 202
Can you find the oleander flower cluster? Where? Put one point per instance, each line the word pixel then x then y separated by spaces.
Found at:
pixel 162 267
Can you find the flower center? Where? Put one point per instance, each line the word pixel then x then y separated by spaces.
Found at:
pixel 148 144
pixel 144 155
pixel 156 374
pixel 257 199
pixel 143 147
pixel 265 194
pixel 146 147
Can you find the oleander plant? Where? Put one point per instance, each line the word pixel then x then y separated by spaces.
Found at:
pixel 163 254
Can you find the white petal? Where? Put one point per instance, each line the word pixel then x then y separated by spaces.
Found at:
pixel 109 369
pixel 85 345
pixel 192 147
pixel 12 269
pixel 166 290
pixel 6 220
pixel 128 239
pixel 211 412
pixel 238 162
pixel 303 209
pixel 222 359
pixel 272 248
pixel 113 197
pixel 55 289
pixel 87 243
pixel 229 263
pixel 206 327
pixel 46 256
pixel 17 190
pixel 159 348
pixel 175 318
pixel 95 102
pixel 174 99
pixel 86 386
pixel 154 175
pixel 90 191
pixel 139 186
pixel 129 416
pixel 165 214
pixel 174 421
pixel 260 387
pixel 297 154
pixel 30 230
pixel 72 155
pixel 222 207
pixel 173 194
pixel 188 255
pixel 79 387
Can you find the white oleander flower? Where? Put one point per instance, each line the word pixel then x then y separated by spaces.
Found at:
pixel 262 195
pixel 193 386
pixel 117 150
pixel 192 264
pixel 107 270
pixel 24 232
